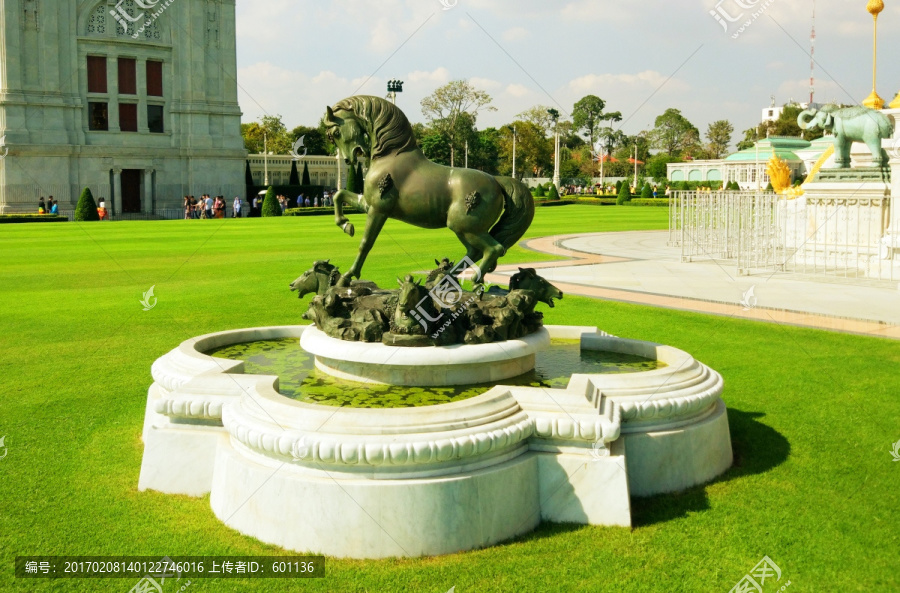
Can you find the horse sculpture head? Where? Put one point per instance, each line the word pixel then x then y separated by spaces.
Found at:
pixel 527 279
pixel 317 279
pixel 411 292
pixel 368 126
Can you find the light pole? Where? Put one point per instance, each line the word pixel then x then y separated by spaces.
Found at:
pixel 467 153
pixel 555 115
pixel 266 158
pixel 635 163
pixel 756 166
pixel 394 86
pixel 602 159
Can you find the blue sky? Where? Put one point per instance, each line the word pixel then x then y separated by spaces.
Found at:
pixel 642 57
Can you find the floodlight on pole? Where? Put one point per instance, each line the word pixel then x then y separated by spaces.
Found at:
pixel 394 86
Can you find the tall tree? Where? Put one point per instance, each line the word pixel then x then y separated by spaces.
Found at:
pixel 269 133
pixel 534 151
pixel 305 179
pixel 749 140
pixel 539 116
pixel 588 116
pixel 446 105
pixel 314 141
pixel 719 136
pixel 673 133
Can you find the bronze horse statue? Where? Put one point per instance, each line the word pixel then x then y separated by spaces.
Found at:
pixel 488 214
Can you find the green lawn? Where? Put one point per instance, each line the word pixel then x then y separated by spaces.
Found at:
pixel 812 414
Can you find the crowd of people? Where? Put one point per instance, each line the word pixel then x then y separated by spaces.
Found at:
pixel 209 207
pixel 301 201
pixel 604 189
pixel 50 207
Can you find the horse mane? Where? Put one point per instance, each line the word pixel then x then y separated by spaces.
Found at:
pixel 389 130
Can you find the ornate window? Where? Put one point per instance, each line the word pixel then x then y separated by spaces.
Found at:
pixel 97 23
pixel 132 20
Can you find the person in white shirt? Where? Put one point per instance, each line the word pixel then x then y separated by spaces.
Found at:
pixel 236 213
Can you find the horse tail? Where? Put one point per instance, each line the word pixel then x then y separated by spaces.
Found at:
pixel 518 212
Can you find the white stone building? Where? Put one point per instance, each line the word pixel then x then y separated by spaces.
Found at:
pixel 135 99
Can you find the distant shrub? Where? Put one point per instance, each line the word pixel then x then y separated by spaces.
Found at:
pixel 624 194
pixel 86 210
pixel 552 193
pixel 19 218
pixel 270 206
pixel 648 202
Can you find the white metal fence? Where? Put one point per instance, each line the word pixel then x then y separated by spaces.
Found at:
pixel 833 238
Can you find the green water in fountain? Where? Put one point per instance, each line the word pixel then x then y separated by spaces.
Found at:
pixel 300 380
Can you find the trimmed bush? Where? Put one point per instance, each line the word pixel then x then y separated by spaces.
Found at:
pixel 360 178
pixel 86 210
pixel 270 206
pixel 539 191
pixel 19 218
pixel 305 180
pixel 320 211
pixel 555 202
pixel 648 202
pixel 295 177
pixel 647 192
pixel 352 187
pixel 553 193
pixel 624 194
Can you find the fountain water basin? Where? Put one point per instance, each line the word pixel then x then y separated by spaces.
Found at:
pixel 369 483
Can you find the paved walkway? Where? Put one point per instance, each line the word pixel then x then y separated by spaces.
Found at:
pixel 638 267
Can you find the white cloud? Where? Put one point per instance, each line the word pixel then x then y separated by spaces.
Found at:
pixel 518 90
pixel 648 79
pixel 485 84
pixel 438 76
pixel 516 34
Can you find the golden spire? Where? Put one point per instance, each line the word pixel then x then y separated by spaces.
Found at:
pixel 874 7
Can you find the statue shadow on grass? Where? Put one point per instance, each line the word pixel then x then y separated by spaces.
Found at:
pixel 757 449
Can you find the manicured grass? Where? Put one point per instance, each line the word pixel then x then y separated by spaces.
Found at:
pixel 812 415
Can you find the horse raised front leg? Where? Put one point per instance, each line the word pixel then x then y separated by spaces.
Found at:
pixel 491 249
pixel 345 197
pixel 374 224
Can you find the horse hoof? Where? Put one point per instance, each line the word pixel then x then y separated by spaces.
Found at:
pixel 349 229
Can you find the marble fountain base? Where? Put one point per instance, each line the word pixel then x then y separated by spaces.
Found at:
pixel 373 483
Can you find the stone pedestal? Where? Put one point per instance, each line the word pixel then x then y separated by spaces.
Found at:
pixel 373 483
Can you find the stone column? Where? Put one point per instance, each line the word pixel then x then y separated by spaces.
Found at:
pixel 141 70
pixel 115 200
pixel 148 191
pixel 112 84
